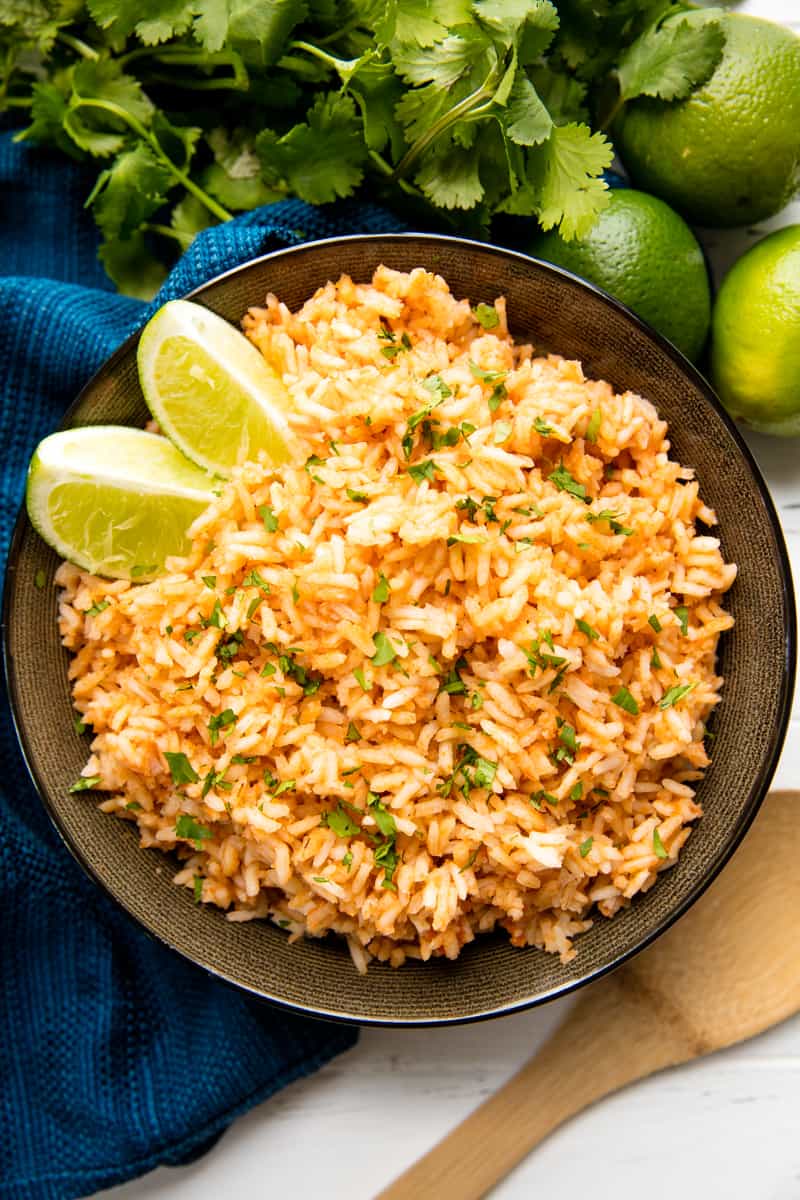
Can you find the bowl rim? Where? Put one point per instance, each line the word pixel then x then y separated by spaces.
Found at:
pixel 772 751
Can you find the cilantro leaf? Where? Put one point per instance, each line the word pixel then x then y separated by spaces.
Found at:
pixel 527 122
pixel 180 768
pixel 320 159
pixel 671 59
pixel 129 191
pixel 385 652
pixel 565 483
pixel 568 167
pixel 338 820
pixel 188 827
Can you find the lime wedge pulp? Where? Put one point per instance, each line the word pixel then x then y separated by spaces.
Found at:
pixel 113 500
pixel 210 389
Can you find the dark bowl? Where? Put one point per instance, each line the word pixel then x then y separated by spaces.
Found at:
pixel 556 312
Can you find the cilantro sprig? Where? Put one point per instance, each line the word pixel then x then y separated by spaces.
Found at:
pixel 475 110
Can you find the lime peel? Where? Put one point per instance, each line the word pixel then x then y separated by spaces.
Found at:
pixel 210 389
pixel 115 501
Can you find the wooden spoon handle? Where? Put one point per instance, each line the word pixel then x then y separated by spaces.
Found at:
pixel 611 1037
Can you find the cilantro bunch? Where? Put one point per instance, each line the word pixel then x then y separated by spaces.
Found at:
pixel 456 112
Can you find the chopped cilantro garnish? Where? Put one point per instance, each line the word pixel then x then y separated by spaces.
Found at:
pixel 384 651
pixel 497 397
pixel 295 592
pixel 381 590
pixel 542 427
pixel 486 376
pixel 84 784
pixel 228 647
pixel 682 613
pixel 469 539
pixel 79 724
pixel 623 699
pixel 215 779
pixel 356 497
pixel 347 861
pixel 565 483
pixel 585 847
pixel 180 768
pixel 217 618
pixel 655 660
pixel 577 792
pixel 353 734
pixel 658 846
pixel 593 428
pixel 188 827
pixel 452 683
pixel 408 445
pixel 675 694
pixel 383 818
pixel 475 771
pixel 612 517
pixel 253 579
pixel 143 569
pixel 501 432
pixel 99 607
pixel 220 721
pixel 288 785
pixel 320 879
pixel 476 700
pixel 133 806
pixel 313 460
pixel 268 669
pixel 486 316
pixel 437 387
pixel 268 517
pixel 252 607
pixel 210 581
pixel 242 759
pixel 469 506
pixel 341 824
pixel 569 743
pixel 358 674
pixel 198 888
pixel 584 627
pixel 39 579
pixel 654 623
pixel 423 470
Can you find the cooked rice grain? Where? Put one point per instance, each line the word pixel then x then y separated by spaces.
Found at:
pixel 480 774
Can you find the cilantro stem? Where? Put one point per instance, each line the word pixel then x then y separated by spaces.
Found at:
pixel 17 101
pixel 456 113
pixel 184 56
pixel 78 45
pixel 316 52
pixel 152 141
pixel 165 231
pixel 616 108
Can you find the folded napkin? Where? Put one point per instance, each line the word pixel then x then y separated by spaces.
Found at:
pixel 116 1056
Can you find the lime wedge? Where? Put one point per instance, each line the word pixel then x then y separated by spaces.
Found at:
pixel 210 390
pixel 113 500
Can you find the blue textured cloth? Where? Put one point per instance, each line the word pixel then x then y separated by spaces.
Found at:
pixel 116 1056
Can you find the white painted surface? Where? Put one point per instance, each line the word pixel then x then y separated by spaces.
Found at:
pixel 723 1127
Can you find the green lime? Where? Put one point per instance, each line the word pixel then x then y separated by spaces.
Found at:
pixel 116 501
pixel 755 338
pixel 210 390
pixel 645 255
pixel 730 153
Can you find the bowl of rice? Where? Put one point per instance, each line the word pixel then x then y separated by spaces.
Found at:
pixel 462 707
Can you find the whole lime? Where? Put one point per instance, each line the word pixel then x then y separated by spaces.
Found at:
pixel 730 153
pixel 645 255
pixel 755 347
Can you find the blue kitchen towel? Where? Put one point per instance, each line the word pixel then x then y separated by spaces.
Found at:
pixel 116 1056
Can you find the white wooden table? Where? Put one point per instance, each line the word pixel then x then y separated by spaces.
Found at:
pixel 726 1126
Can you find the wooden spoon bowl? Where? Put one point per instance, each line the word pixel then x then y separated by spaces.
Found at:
pixel 729 970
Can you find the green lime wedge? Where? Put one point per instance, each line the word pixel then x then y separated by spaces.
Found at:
pixel 113 500
pixel 210 390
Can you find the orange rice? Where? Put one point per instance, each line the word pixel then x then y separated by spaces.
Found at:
pixel 513 545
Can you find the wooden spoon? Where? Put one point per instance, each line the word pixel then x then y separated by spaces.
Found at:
pixel 729 970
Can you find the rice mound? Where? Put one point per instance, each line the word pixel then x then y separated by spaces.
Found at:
pixel 513 547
